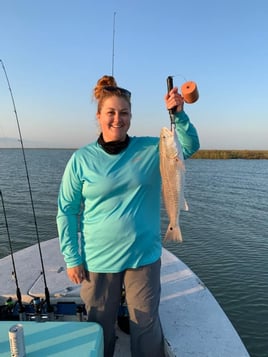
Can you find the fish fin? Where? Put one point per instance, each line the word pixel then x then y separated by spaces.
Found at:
pixel 185 206
pixel 173 234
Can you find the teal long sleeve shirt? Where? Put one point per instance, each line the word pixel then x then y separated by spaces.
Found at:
pixel 114 201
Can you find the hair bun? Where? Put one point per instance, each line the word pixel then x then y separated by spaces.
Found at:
pixel 103 82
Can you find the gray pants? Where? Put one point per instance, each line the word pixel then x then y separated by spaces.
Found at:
pixel 102 295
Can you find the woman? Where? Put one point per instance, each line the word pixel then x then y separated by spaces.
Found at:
pixel 110 192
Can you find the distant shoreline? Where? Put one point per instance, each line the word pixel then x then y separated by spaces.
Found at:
pixel 231 154
pixel 201 154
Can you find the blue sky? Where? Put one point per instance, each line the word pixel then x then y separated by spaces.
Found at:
pixel 55 51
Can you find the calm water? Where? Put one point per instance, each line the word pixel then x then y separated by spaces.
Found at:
pixel 225 232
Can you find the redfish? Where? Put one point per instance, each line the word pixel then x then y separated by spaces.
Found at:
pixel 172 171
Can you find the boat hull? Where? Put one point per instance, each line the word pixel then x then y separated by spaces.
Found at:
pixel 192 320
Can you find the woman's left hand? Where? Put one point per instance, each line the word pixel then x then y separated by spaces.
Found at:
pixel 174 99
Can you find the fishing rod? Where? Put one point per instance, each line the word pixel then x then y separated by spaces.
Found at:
pixel 172 110
pixel 113 45
pixel 47 295
pixel 18 293
pixel 189 92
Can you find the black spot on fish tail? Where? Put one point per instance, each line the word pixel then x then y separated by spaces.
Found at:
pixel 173 233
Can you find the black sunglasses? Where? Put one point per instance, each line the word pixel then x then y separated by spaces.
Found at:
pixel 117 90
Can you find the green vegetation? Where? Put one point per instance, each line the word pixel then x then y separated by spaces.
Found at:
pixel 231 154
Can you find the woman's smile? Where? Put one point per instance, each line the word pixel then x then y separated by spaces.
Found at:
pixel 114 119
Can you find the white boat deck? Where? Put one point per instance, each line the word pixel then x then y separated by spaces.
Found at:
pixel 193 322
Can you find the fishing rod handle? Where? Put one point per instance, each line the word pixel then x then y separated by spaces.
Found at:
pixel 169 87
pixel 169 83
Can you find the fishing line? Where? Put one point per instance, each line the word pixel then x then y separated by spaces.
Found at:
pixel 29 187
pixel 18 293
pixel 180 75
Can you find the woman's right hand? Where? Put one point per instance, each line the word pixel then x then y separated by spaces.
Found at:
pixel 76 274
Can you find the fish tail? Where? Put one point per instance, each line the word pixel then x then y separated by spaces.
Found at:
pixel 173 234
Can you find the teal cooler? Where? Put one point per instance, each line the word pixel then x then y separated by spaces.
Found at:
pixel 61 339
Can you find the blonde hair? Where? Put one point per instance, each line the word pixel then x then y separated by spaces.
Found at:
pixel 100 94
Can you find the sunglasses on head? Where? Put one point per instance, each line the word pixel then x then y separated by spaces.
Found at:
pixel 117 90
